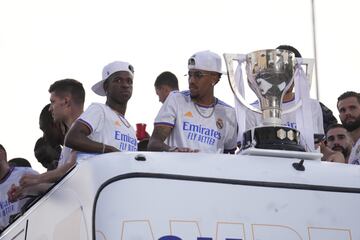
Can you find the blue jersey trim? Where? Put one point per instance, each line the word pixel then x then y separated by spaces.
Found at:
pixel 164 123
pixel 86 124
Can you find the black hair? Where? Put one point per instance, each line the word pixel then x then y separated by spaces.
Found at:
pixel 19 162
pixel 336 125
pixel 46 153
pixel 168 79
pixel 65 86
pixel 291 49
pixel 349 94
pixel 45 116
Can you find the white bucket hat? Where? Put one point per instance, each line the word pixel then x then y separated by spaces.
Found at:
pixel 109 69
pixel 205 60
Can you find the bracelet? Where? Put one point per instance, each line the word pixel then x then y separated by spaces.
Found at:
pixel 103 148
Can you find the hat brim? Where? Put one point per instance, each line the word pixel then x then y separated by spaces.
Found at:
pixel 98 88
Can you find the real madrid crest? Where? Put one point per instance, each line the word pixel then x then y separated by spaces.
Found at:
pixel 219 123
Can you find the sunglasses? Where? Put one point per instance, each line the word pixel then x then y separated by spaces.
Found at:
pixel 197 74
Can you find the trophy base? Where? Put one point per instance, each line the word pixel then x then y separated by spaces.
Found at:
pixel 273 137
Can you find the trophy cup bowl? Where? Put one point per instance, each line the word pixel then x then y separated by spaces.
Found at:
pixel 269 74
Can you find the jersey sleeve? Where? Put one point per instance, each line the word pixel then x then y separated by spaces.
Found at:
pixel 93 117
pixel 167 113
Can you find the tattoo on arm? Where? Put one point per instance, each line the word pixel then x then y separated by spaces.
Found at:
pixel 156 142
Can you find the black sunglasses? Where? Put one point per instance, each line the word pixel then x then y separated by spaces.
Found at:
pixel 197 74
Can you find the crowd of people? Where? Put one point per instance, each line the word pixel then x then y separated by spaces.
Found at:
pixel 188 121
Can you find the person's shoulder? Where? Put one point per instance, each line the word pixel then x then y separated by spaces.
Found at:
pixel 224 104
pixel 94 107
pixel 23 170
pixel 180 96
pixel 97 105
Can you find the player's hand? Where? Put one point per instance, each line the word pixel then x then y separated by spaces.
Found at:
pixel 29 180
pixel 109 149
pixel 14 193
pixel 330 155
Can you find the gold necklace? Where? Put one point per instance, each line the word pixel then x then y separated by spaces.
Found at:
pixel 204 116
pixel 124 121
pixel 122 118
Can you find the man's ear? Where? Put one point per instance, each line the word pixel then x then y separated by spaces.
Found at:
pixel 67 101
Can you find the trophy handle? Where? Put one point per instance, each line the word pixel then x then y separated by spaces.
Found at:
pixel 229 58
pixel 309 67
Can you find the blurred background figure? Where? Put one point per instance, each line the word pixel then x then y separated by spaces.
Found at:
pixel 46 154
pixel 47 149
pixel 53 132
pixel 165 83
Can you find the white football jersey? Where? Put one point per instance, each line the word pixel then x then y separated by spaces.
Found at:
pixel 354 157
pixel 208 129
pixel 109 127
pixel 7 208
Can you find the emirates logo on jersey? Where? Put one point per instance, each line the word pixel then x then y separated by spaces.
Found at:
pixel 219 123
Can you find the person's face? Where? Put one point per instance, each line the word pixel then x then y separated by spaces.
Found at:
pixel 201 83
pixel 338 139
pixel 119 87
pixel 58 107
pixel 349 113
pixel 162 93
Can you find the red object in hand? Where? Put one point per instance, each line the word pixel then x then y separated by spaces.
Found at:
pixel 141 133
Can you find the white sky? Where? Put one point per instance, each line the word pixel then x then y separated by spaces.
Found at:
pixel 42 41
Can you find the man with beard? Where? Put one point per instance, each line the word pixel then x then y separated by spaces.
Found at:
pixel 102 128
pixel 349 112
pixel 338 139
pixel 195 120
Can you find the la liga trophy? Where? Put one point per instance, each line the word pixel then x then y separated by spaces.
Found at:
pixel 270 73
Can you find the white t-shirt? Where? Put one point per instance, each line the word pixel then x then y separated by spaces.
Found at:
pixel 354 157
pixel 7 208
pixel 109 127
pixel 254 119
pixel 208 129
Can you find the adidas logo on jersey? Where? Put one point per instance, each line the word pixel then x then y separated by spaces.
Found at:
pixel 188 114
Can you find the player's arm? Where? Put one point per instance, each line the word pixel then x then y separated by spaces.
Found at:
pixel 77 139
pixel 156 142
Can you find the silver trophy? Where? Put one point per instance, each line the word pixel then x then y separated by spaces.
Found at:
pixel 270 73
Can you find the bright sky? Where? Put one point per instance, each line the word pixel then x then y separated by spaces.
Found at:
pixel 42 41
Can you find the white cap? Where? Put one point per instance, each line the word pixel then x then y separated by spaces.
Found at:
pixel 205 60
pixel 109 69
